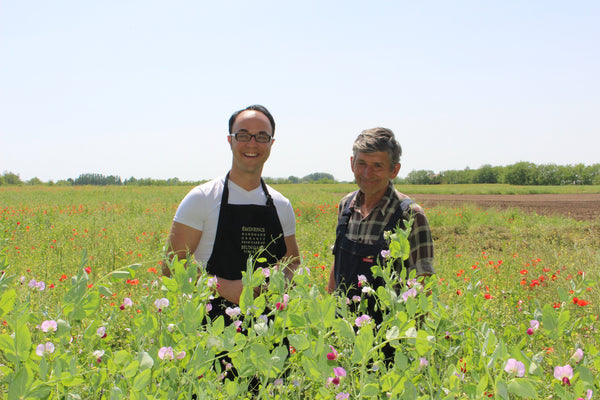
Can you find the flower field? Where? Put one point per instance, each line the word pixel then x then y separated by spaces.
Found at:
pixel 84 313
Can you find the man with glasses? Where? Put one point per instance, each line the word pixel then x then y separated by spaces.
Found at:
pixel 226 220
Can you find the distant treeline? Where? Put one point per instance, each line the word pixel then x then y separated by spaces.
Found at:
pixel 521 173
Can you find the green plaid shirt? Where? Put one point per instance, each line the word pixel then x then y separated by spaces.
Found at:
pixel 368 230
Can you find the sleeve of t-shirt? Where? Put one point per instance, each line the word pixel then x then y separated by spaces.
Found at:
pixel 287 219
pixel 192 210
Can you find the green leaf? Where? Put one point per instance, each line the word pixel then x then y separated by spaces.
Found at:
pixel 362 345
pixel 131 369
pixel 7 301
pixel 117 276
pixel 146 361
pixel 522 388
pixel 19 386
pixel 299 342
pixel 104 290
pixel 23 342
pixel 141 380
pixel 370 390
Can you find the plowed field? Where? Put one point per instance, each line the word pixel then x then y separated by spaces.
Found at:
pixel 582 207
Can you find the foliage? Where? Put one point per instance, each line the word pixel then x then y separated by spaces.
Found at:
pixel 87 258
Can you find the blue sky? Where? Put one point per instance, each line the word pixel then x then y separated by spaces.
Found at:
pixel 145 88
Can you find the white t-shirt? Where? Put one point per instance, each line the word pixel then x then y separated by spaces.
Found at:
pixel 200 209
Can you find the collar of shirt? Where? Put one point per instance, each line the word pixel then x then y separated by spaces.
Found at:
pixel 383 204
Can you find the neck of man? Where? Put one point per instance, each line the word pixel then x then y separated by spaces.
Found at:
pixel 369 201
pixel 245 179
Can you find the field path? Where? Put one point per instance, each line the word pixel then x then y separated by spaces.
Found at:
pixel 582 207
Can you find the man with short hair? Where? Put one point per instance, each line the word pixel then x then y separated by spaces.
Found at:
pixel 364 216
pixel 228 219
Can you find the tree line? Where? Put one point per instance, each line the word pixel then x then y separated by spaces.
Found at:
pixel 521 173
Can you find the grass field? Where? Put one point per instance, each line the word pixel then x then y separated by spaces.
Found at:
pixel 496 272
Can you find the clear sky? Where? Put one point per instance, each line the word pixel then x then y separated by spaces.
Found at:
pixel 145 88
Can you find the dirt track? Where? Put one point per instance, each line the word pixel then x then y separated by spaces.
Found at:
pixel 582 207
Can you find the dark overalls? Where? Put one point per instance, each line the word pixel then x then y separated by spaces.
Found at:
pixel 242 231
pixel 355 258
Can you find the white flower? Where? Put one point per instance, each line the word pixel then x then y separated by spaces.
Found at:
pixel 98 353
pixel 101 331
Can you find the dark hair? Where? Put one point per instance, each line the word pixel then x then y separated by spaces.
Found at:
pixel 254 107
pixel 378 139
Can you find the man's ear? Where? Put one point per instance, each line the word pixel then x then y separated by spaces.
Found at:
pixel 396 170
pixel 352 163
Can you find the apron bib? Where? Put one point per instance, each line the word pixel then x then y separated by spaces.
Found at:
pixel 244 230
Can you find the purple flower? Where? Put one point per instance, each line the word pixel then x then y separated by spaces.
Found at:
pixel 412 292
pixel 385 253
pixel 361 280
pixel 101 332
pixel 515 367
pixel 362 320
pixel 161 303
pixel 423 362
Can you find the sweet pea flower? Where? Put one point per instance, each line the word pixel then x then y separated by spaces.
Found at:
pixel 127 302
pixel 49 325
pixel 362 320
pixel 42 349
pixel 333 355
pixel 564 374
pixel 342 396
pixel 101 332
pixel 238 326
pixel 423 362
pixel 98 355
pixel 161 303
pixel 282 305
pixel 412 292
pixel 266 272
pixel 37 285
pixel 212 282
pixel 356 299
pixel 233 312
pixel 167 353
pixel 535 324
pixel 361 280
pixel 515 367
pixel 385 253
pixel 578 355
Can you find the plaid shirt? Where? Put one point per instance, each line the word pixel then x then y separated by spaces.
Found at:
pixel 368 230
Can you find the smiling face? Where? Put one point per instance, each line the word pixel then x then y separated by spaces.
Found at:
pixel 250 157
pixel 373 172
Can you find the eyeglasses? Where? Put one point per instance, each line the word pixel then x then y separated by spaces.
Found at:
pixel 246 137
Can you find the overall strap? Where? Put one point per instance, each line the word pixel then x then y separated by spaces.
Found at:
pixel 393 221
pixel 342 225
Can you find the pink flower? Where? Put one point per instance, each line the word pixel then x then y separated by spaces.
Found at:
pixel 342 396
pixel 362 320
pixel 412 292
pixel 166 353
pixel 515 367
pixel 423 362
pixel 233 311
pixel 578 355
pixel 42 349
pixel 564 374
pixel 385 253
pixel 333 355
pixel 529 331
pixel 534 324
pixel 339 372
pixel 361 280
pixel 50 325
pixel 266 272
pixel 127 302
pixel 212 282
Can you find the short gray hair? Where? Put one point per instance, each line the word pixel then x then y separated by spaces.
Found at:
pixel 378 139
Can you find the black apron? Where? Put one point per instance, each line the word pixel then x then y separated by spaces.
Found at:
pixel 242 231
pixel 356 258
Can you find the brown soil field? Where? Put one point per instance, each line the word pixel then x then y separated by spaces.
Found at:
pixel 582 207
